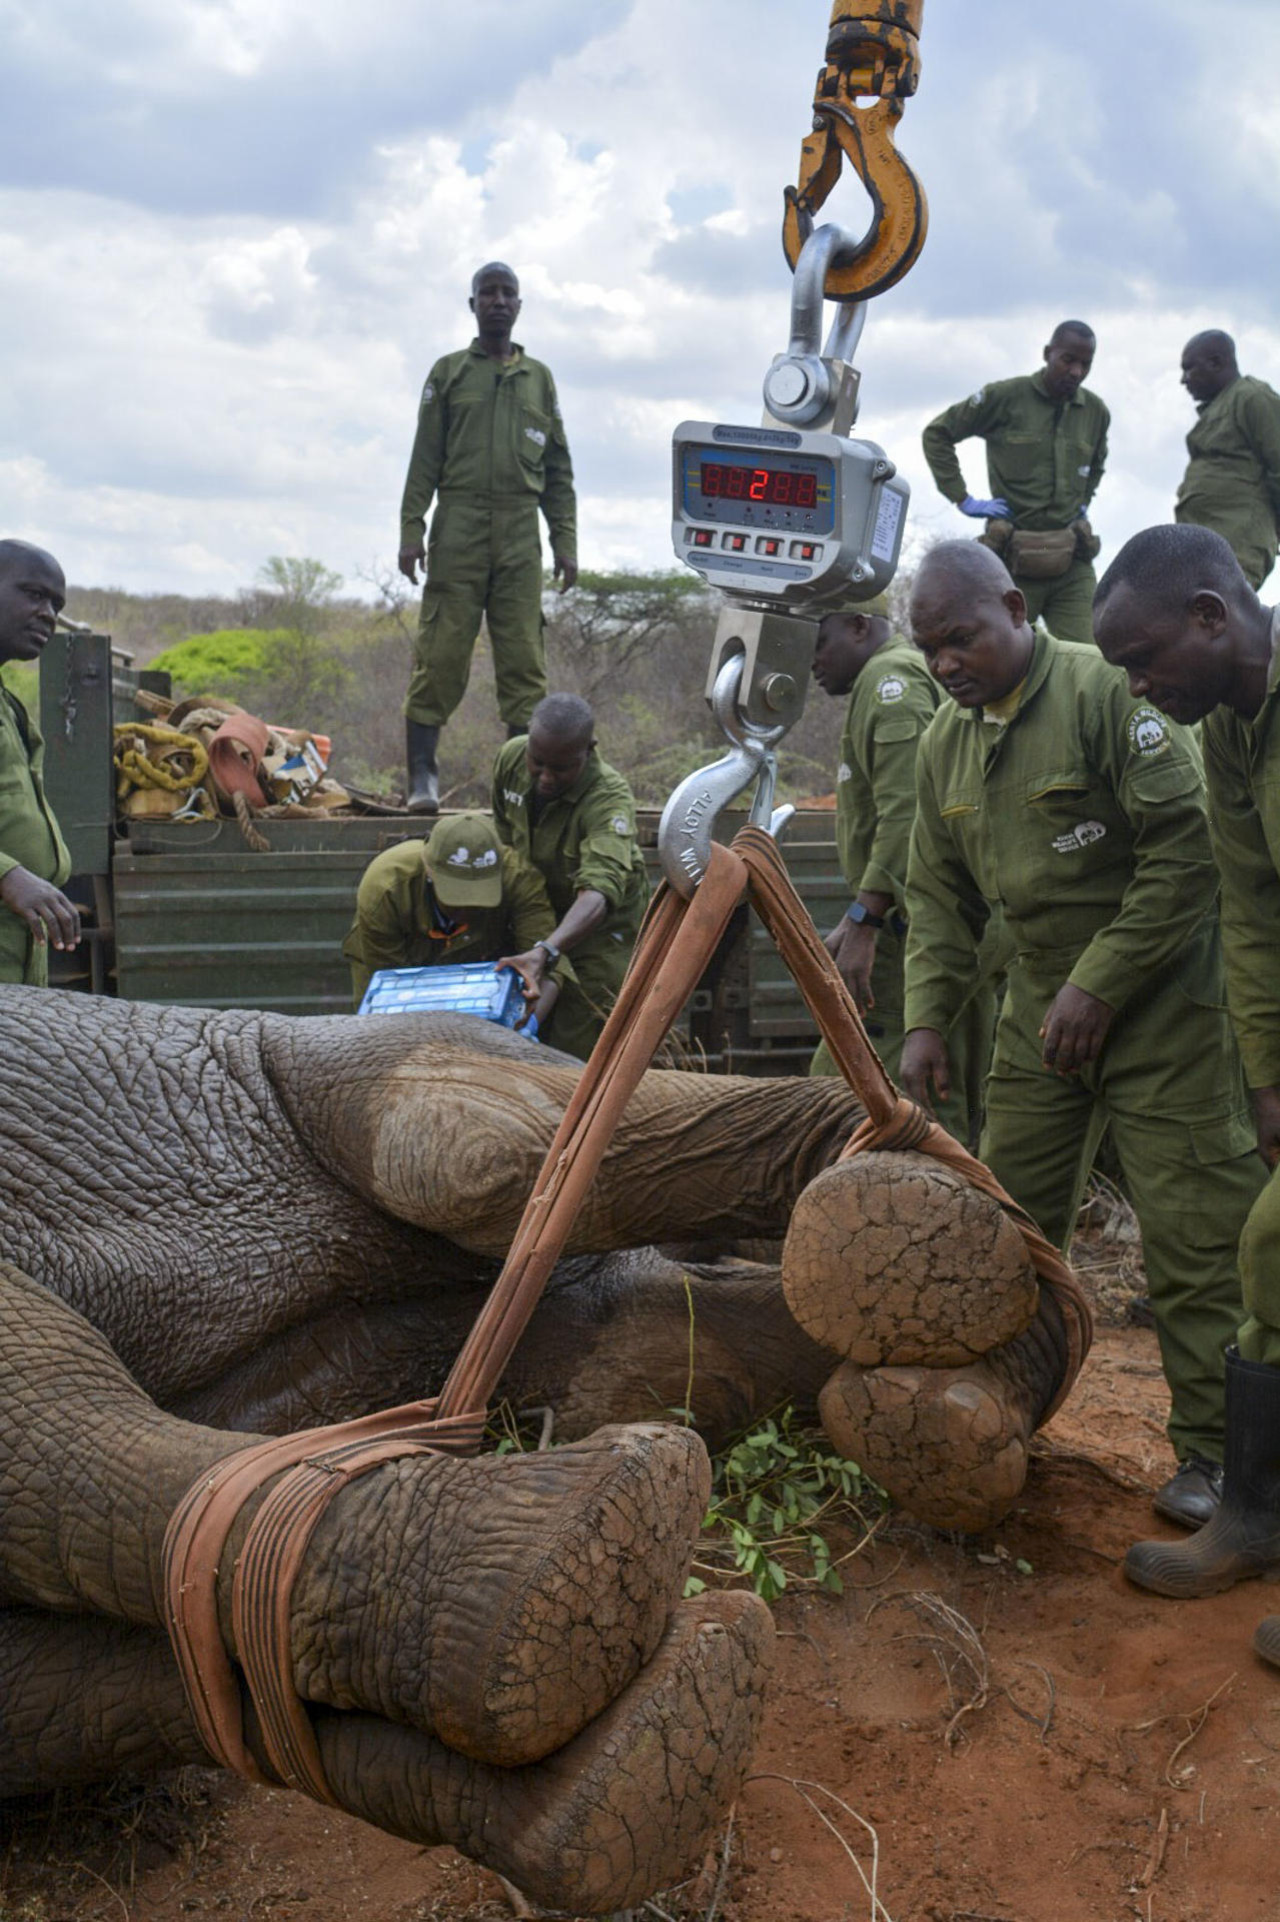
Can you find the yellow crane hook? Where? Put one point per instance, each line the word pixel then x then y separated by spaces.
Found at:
pixel 873 51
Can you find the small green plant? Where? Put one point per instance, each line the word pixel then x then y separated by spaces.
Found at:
pixel 775 1496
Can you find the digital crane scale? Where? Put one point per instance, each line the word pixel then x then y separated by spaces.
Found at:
pixel 783 518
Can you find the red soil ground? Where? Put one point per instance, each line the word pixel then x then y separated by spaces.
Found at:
pixel 1018 1735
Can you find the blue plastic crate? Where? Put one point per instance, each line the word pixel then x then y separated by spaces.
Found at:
pixel 468 987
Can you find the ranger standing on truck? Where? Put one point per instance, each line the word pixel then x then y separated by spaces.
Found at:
pixel 490 450
pixel 573 817
pixel 458 896
pixel 1046 438
pixel 1232 482
pixel 33 856
pixel 1044 786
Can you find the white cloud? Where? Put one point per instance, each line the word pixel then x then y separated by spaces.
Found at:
pixel 225 276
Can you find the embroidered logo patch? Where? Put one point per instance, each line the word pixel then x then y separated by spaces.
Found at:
pixel 1079 837
pixel 891 689
pixel 513 797
pixel 843 773
pixel 1148 731
pixel 536 435
pixel 428 393
pixel 620 824
pixel 1083 471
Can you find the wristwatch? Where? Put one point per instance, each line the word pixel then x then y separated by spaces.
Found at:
pixel 552 954
pixel 863 917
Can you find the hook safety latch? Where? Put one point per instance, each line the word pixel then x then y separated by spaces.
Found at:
pixel 873 51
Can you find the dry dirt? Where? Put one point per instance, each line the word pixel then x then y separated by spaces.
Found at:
pixel 1017 1735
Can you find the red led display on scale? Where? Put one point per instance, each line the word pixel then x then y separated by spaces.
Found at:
pixel 773 486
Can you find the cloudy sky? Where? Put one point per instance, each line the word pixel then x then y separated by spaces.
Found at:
pixel 235 233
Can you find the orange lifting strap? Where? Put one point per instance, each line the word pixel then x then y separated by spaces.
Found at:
pixel 872 68
pixel 676 942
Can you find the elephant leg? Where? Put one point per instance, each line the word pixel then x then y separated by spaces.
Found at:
pixel 82 1698
pixel 634 1337
pixel 954 1349
pixel 499 1603
pixel 951 1444
pixel 622 1810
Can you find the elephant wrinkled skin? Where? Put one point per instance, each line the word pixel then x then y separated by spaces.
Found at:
pixel 219 1226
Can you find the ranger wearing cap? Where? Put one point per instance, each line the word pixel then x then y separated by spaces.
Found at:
pixel 892 699
pixel 574 818
pixel 459 896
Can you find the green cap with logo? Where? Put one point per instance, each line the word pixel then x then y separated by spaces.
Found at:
pixel 464 859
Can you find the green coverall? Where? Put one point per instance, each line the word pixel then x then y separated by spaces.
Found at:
pixel 891 703
pixel 1045 457
pixel 1085 818
pixel 1232 482
pixel 491 450
pixel 29 837
pixel 1242 762
pixel 400 924
pixel 584 838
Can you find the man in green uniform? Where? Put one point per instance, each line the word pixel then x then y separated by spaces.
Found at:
pixel 1043 786
pixel 1046 438
pixel 1175 611
pixel 573 817
pixel 490 450
pixel 33 856
pixel 892 699
pixel 1232 482
pixel 458 896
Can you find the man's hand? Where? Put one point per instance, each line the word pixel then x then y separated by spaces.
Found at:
pixel 1266 1112
pixel 1074 1030
pixel 560 565
pixel 44 908
pixel 979 510
pixel 410 559
pixel 544 1006
pixel 924 1063
pixel 532 969
pixel 853 949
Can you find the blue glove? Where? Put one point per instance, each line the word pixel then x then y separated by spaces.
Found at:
pixel 996 510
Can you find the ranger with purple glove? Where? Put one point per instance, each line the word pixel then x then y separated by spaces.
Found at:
pixel 1046 438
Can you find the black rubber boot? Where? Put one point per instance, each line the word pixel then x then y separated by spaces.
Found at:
pixel 1190 1497
pixel 1266 1640
pixel 1243 1538
pixel 424 775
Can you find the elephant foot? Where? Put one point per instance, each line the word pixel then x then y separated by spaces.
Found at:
pixel 520 1593
pixel 949 1444
pixel 621 1811
pixel 894 1259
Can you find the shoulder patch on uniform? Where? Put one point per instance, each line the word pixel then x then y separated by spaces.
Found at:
pixel 1084 471
pixel 1148 731
pixel 890 688
pixel 428 393
pixel 843 773
pixel 514 796
pixel 536 435
pixel 620 824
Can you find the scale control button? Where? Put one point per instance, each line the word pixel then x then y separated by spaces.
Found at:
pixel 767 545
pixel 702 537
pixel 734 542
pixel 806 551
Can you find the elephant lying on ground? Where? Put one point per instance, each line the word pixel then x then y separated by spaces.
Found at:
pixel 220 1226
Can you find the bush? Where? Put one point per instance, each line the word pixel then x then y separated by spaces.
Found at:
pixel 220 663
pixel 23 679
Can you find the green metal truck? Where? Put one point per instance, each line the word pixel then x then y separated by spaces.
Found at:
pixel 187 912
